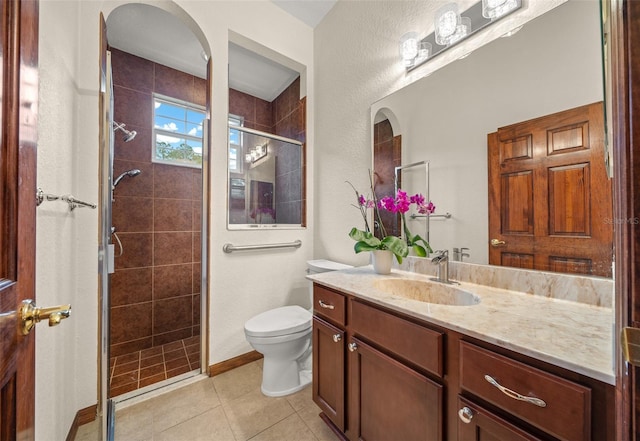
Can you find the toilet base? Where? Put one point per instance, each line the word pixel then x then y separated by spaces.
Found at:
pixel 304 381
pixel 280 378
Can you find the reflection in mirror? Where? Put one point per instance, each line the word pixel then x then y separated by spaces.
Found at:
pixel 414 178
pixel 552 64
pixel 267 131
pixel 265 186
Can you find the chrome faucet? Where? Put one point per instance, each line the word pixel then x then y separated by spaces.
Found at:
pixel 442 260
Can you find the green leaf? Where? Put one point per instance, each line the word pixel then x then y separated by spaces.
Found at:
pixel 366 237
pixel 419 250
pixel 397 246
pixel 363 246
pixel 427 247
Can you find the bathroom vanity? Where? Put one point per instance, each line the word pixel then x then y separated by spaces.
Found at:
pixel 501 365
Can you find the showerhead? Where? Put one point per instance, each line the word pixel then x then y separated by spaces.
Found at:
pixel 129 173
pixel 128 134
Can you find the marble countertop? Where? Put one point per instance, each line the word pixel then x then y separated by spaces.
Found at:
pixel 576 336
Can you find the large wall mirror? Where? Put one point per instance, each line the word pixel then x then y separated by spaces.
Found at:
pixel 266 138
pixel 554 63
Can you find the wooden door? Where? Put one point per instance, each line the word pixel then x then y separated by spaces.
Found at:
pixel 550 201
pixel 477 424
pixel 390 401
pixel 18 112
pixel 329 371
pixel 387 155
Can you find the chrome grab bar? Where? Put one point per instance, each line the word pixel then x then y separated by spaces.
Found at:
pixel 229 248
pixel 447 215
pixel 74 203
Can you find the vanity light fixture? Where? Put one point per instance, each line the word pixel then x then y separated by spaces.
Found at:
pixel 494 9
pixel 256 153
pixel 451 27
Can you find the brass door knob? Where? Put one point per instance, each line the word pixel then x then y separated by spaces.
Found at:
pixel 30 315
pixel 497 242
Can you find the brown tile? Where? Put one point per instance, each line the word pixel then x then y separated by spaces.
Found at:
pixel 130 286
pixel 196 309
pixel 173 346
pixel 132 214
pixel 172 182
pixel 173 83
pixel 112 361
pixel 131 71
pixel 199 91
pixel 176 363
pixel 194 360
pixel 151 352
pixel 172 281
pixel 172 314
pixel 129 346
pixel 124 368
pixel 264 112
pixel 132 107
pixel 128 358
pixel 174 354
pixel 242 104
pixel 178 371
pixel 197 215
pixel 196 192
pixel 120 380
pixel 115 391
pixel 172 248
pixel 152 380
pixel 132 322
pixel 138 149
pixel 197 246
pixel 195 340
pixel 137 249
pixel 171 336
pixel 173 215
pixel 150 371
pixel 152 361
pixel 197 279
pixel 140 185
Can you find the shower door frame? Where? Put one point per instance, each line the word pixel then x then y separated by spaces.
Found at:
pixel 106 405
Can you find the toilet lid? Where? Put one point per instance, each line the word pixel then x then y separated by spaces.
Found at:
pixel 279 321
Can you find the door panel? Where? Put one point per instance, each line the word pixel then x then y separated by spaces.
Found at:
pixel 550 201
pixel 19 83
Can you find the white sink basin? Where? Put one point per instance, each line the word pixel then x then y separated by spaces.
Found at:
pixel 428 292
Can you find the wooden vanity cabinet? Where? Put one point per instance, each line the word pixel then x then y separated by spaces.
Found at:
pixel 380 375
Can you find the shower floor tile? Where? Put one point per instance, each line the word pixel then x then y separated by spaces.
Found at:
pixel 142 368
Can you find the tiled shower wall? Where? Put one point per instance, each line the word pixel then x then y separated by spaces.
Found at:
pixel 284 116
pixel 155 290
pixel 386 157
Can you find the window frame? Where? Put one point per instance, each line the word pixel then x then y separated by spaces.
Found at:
pixel 235 121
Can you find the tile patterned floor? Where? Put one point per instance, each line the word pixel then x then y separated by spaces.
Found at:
pixel 228 407
pixel 142 368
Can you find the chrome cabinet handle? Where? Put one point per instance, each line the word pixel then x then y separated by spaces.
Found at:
pixel 326 305
pixel 515 395
pixel 352 347
pixel 465 414
pixel 337 337
pixel 497 242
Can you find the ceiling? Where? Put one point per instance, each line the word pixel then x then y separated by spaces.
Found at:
pixel 156 35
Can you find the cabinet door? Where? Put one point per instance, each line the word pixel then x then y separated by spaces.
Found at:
pixel 478 424
pixel 390 401
pixel 329 371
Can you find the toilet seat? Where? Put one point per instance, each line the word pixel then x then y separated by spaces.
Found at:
pixel 279 321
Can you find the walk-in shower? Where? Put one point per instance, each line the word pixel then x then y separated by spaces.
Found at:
pixel 128 134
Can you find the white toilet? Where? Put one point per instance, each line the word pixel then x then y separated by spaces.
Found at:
pixel 283 336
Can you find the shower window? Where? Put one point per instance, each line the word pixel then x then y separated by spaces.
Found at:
pixel 177 131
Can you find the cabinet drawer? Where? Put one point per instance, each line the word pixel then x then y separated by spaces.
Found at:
pixel 329 304
pixel 410 341
pixel 565 410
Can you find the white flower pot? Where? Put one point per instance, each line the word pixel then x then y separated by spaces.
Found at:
pixel 381 260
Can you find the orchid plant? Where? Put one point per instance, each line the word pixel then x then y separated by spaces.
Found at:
pixel 401 203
